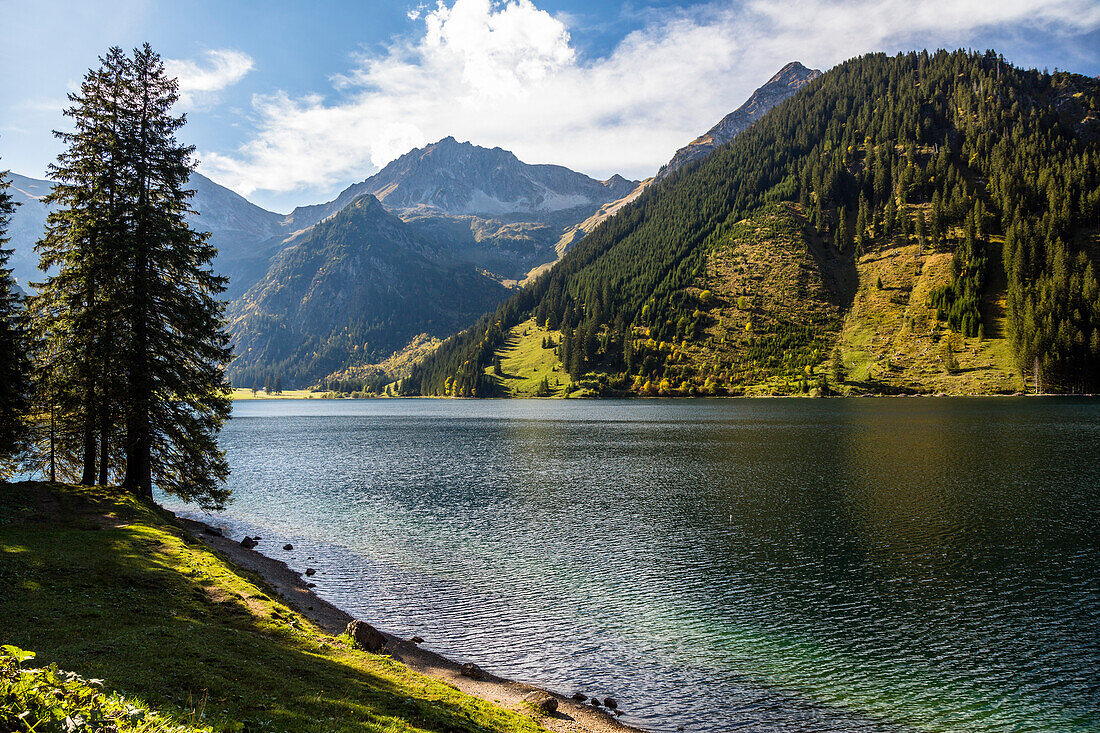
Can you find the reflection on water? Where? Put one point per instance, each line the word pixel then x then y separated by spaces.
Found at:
pixel 828 565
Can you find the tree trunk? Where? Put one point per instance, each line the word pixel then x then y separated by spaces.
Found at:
pixel 139 466
pixel 53 448
pixel 104 464
pixel 139 439
pixel 87 478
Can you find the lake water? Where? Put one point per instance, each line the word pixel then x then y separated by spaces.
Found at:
pixel 748 565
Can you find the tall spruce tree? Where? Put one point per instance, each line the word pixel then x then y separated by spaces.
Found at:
pixel 76 309
pixel 129 319
pixel 14 363
pixel 177 395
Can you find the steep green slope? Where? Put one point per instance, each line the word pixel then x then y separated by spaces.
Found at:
pixel 947 153
pixel 351 290
pixel 769 302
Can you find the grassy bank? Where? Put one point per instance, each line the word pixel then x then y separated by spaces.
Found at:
pixel 113 589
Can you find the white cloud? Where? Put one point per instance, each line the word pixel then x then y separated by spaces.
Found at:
pixel 506 73
pixel 200 81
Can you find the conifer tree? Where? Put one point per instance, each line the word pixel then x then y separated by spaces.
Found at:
pixel 75 309
pixel 129 322
pixel 177 392
pixel 14 347
pixel 862 222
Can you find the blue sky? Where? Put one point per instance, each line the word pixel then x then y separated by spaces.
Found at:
pixel 289 102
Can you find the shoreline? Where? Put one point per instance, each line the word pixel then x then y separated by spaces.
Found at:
pixel 631 397
pixel 570 717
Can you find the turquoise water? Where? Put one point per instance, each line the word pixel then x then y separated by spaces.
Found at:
pixel 767 565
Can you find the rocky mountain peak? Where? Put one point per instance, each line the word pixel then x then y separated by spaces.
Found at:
pixel 793 73
pixel 462 179
pixel 783 85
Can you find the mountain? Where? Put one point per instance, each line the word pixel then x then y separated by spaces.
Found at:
pixel 245 234
pixel 923 223
pixel 786 82
pixel 462 179
pixel 350 291
pixel 26 226
pixel 493 210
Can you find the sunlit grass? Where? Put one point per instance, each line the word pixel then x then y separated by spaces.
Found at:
pixel 241 393
pixel 113 589
pixel 524 363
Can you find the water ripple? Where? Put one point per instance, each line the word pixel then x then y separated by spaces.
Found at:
pixel 859 565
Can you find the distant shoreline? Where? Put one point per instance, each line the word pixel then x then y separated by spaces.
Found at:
pixel 304 394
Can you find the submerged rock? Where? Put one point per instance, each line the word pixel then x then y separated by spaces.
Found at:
pixel 545 702
pixel 595 702
pixel 310 572
pixel 580 697
pixel 473 671
pixel 609 703
pixel 417 640
pixel 366 636
pixel 288 546
pixel 248 543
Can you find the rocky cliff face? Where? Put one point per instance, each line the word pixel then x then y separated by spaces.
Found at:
pixel 783 85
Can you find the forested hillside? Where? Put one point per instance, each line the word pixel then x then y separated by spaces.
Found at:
pixel 959 162
pixel 350 291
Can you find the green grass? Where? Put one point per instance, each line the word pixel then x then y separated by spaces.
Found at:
pixel 892 341
pixel 242 393
pixel 524 363
pixel 114 589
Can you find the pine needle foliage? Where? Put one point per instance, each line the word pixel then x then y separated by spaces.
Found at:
pixel 128 323
pixel 14 344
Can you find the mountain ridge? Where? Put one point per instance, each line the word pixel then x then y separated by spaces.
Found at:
pixel 244 233
pixel 507 186
pixel 783 85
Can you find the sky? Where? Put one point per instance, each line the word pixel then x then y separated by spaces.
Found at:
pixel 289 102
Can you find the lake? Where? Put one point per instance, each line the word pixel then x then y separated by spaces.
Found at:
pixel 715 565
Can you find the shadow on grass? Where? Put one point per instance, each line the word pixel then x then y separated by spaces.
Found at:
pixel 140 604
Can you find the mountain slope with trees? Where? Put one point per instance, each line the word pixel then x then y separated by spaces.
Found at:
pixel 351 290
pixel 951 153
